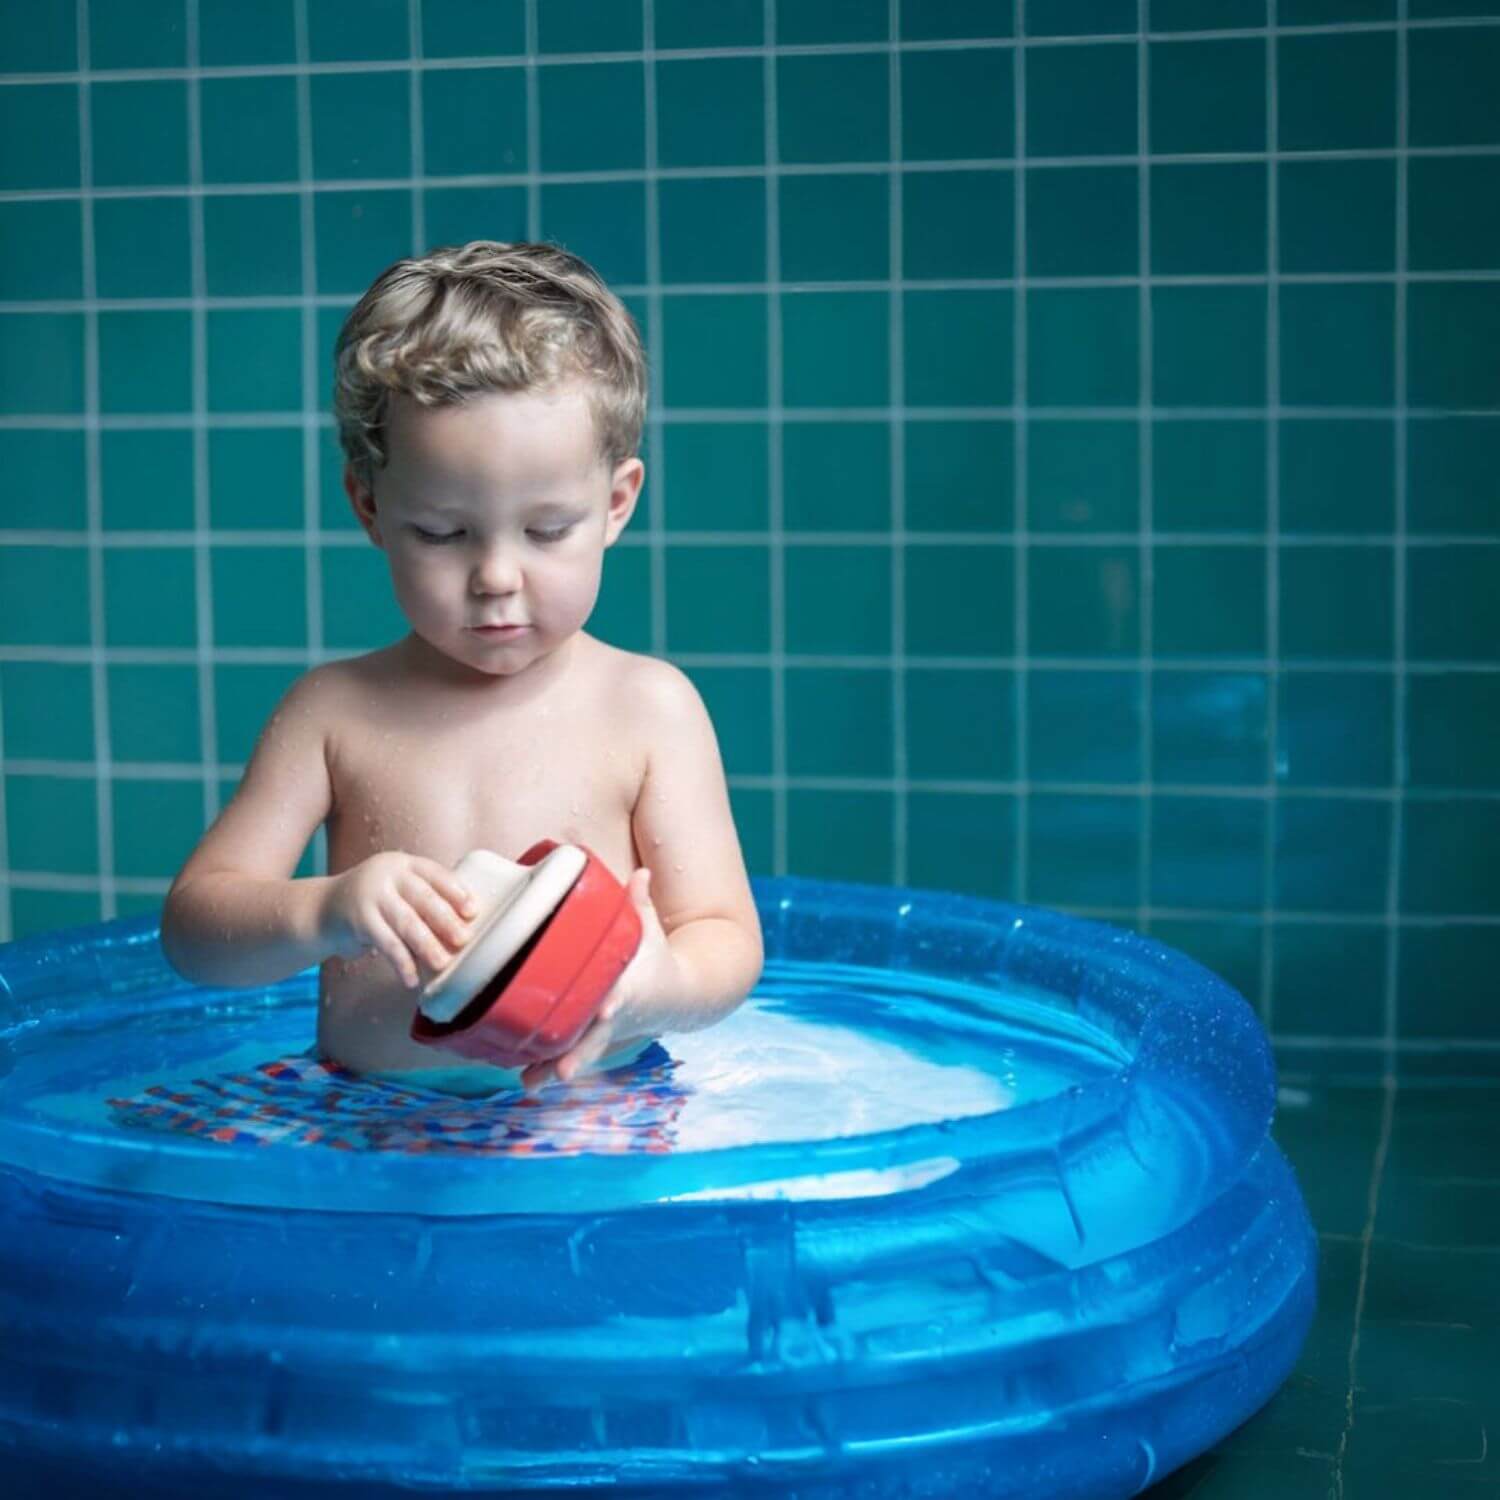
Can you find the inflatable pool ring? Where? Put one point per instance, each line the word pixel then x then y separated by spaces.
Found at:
pixel 1071 1295
pixel 553 933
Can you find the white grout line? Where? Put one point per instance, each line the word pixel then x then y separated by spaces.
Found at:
pixel 532 178
pixel 901 803
pixel 1021 464
pixel 1146 427
pixel 1267 1005
pixel 203 530
pixel 1399 666
pixel 775 417
pixel 655 337
pixel 103 768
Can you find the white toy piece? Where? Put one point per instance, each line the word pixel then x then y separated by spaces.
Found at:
pixel 513 901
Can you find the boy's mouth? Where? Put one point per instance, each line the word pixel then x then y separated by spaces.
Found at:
pixel 499 630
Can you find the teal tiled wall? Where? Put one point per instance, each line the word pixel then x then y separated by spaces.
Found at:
pixel 1071 468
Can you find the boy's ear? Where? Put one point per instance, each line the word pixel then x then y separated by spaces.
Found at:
pixel 363 501
pixel 630 474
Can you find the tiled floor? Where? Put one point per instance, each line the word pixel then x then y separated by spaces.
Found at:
pixel 1397 1392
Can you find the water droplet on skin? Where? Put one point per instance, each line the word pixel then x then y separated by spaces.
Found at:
pixel 678 868
pixel 656 843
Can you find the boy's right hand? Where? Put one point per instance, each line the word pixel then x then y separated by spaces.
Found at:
pixel 411 909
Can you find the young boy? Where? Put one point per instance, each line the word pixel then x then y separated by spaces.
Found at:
pixel 490 400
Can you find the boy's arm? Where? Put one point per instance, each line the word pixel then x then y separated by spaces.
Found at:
pixel 234 915
pixel 684 832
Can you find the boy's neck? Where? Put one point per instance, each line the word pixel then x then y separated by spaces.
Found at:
pixel 432 666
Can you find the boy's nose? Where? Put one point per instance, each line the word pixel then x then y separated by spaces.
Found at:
pixel 496 572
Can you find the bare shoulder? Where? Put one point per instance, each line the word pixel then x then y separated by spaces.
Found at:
pixel 648 692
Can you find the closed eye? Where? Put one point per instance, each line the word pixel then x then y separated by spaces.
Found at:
pixel 551 536
pixel 436 538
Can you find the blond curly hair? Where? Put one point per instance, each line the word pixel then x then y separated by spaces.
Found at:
pixel 487 316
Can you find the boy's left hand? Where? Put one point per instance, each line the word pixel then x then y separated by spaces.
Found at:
pixel 654 977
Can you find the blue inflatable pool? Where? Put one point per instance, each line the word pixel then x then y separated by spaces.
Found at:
pixel 967 1199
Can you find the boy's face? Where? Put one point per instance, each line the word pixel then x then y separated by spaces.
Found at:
pixel 496 511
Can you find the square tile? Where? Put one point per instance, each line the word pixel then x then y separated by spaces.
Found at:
pixel 604 222
pixel 146 475
pixel 1453 98
pixel 1447 863
pixel 474 121
pixel 137 34
pixel 149 597
pixel 145 362
pixel 45 485
pixel 1331 12
pixel 252 245
pixel 589 26
pixel 1083 601
pixel 983 578
pixel 473 28
pixel 456 215
pixel 962 841
pixel 834 835
pixel 960 475
pixel 1208 475
pixel 1082 850
pixel 1192 15
pixel 40 588
pixel 834 108
pixel 139 133
pixel 1082 221
pixel 957 225
pixel 836 476
pixel 255 359
pixel 1228 946
pixel 51 824
pixel 1331 855
pixel 359 609
pixel 372 31
pixel 260 596
pixel 1083 476
pixel 718 599
pixel 960 725
pixel 1338 344
pixel 361 125
pixel 41 249
pixel 1208 345
pixel 249 129
pixel 153 713
pixel 836 348
pixel 835 227
pixel 49 710
pixel 156 824
pixel 1208 96
pixel 717 476
pixel 41 362
pixel 820 22
pixel 1208 219
pixel 47 42
pixel 1453 602
pixel 1207 852
pixel 39 136
pixel 1083 726
pixel 716 350
pixel 755 818
pixel 1454 206
pixel 1335 729
pixel 730 23
pixel 957 348
pixel 357 235
pixel 141 247
pixel 956 104
pixel 255 478
pixel 245 695
pixel 1446 986
pixel 1337 215
pixel 838 600
pixel 230 34
pixel 839 721
pixel 1453 731
pixel 1209 728
pixel 1453 327
pixel 1083 346
pixel 729 92
pixel 712 228
pixel 1081 101
pixel 1336 91
pixel 949 20
pixel 738 700
pixel 1338 474
pixel 1450 461
pixel 1209 601
pixel 1081 17
pixel 622 616
pixel 1329 978
pixel 1337 603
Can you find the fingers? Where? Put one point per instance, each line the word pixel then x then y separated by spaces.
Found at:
pixel 388 943
pixel 421 942
pixel 459 897
pixel 437 908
